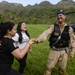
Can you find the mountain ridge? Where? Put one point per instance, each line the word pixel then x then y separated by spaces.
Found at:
pixel 43 3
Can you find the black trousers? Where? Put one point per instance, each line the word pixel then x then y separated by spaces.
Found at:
pixel 12 72
pixel 22 63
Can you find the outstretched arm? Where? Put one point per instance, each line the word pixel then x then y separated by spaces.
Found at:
pixel 19 54
pixel 45 34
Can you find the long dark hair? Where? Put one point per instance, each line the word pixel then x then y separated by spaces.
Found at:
pixel 19 32
pixel 4 27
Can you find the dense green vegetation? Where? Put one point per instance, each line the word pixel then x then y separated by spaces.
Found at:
pixel 36 61
pixel 37 14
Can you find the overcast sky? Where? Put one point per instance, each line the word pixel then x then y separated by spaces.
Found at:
pixel 31 2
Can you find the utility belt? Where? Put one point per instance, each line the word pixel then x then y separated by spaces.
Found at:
pixel 61 49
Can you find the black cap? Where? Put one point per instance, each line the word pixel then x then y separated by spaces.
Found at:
pixel 60 12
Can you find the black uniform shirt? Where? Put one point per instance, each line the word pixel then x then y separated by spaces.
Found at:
pixel 6 58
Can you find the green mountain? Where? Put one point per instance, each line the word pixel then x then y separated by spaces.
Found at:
pixel 42 13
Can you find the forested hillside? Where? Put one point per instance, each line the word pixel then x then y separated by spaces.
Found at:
pixel 37 14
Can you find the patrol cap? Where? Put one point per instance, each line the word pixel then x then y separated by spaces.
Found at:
pixel 60 12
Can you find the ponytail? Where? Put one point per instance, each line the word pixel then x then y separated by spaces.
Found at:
pixel 4 27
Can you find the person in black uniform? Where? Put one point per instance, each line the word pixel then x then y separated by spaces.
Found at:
pixel 9 50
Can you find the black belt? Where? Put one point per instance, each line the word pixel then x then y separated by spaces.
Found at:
pixel 59 49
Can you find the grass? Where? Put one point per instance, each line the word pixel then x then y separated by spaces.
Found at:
pixel 36 61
